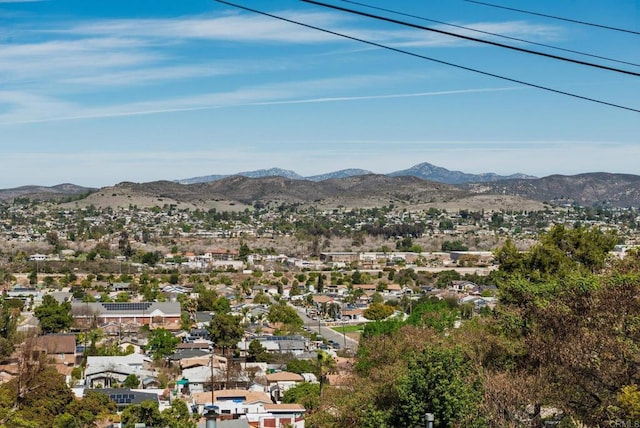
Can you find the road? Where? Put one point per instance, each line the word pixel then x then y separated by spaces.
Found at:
pixel 326 332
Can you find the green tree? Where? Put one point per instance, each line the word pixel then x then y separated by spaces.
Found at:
pixel 8 324
pixel 131 382
pixel 434 313
pixel 307 394
pixel 206 298
pixel 378 311
pixel 226 331
pixel 286 315
pixel 244 251
pixel 33 277
pixel 161 343
pixel 446 276
pixel 86 411
pixel 302 366
pixel 37 395
pixel 53 317
pixel 222 306
pixel 146 412
pixel 258 353
pixel 456 245
pixel 178 416
pixel 123 297
pixel 439 381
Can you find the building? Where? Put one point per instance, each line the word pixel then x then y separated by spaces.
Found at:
pixel 127 316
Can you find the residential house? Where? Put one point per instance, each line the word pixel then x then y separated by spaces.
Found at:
pixel 124 397
pixel 59 348
pixel 278 383
pixel 127 316
pixel 113 370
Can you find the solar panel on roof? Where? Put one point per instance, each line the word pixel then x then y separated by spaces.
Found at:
pixel 127 306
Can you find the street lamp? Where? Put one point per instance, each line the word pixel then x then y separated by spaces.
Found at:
pixel 428 419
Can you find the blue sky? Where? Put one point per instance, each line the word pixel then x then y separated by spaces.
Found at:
pixel 100 92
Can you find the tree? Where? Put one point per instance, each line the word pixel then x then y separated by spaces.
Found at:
pixel 161 343
pixel 178 416
pixel 456 245
pixel 302 366
pixel 123 297
pixel 258 353
pixel 307 394
pixel 222 306
pixel 226 331
pixel 33 277
pixel 206 298
pixel 378 311
pixel 53 317
pixel 440 381
pixel 131 382
pixel 37 395
pixel 86 411
pixel 286 315
pixel 560 252
pixel 146 412
pixel 434 313
pixel 8 324
pixel 446 276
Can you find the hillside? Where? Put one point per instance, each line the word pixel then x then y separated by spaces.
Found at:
pixel 59 192
pixel 239 192
pixel 621 190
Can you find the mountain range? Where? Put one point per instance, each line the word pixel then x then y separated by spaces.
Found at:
pixel 419 186
pixel 425 171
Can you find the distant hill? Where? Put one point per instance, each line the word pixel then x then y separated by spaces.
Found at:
pixel 425 170
pixel 58 192
pixel 238 192
pixel 343 173
pixel 272 172
pixel 621 190
pixel 431 172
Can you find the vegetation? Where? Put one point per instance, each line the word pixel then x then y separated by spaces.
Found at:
pixel 538 349
pixel 161 343
pixel 54 317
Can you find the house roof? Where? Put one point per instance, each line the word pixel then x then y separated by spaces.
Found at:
pixel 247 396
pixel 322 299
pixel 55 343
pixel 126 308
pixel 182 354
pixel 194 345
pixel 366 287
pixel 124 396
pixel 129 360
pixel 284 377
pixel 281 408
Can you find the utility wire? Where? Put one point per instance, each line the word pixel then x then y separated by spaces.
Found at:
pixel 575 21
pixel 462 27
pixel 473 39
pixel 462 67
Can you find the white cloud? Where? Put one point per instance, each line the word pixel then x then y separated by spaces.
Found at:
pixel 285 93
pixel 235 27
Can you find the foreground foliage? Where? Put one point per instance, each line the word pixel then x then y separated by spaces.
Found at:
pixel 564 338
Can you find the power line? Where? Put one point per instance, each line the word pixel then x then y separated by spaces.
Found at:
pixel 462 67
pixel 575 21
pixel 517 39
pixel 473 39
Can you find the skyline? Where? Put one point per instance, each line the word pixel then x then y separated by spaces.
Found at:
pixel 114 91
